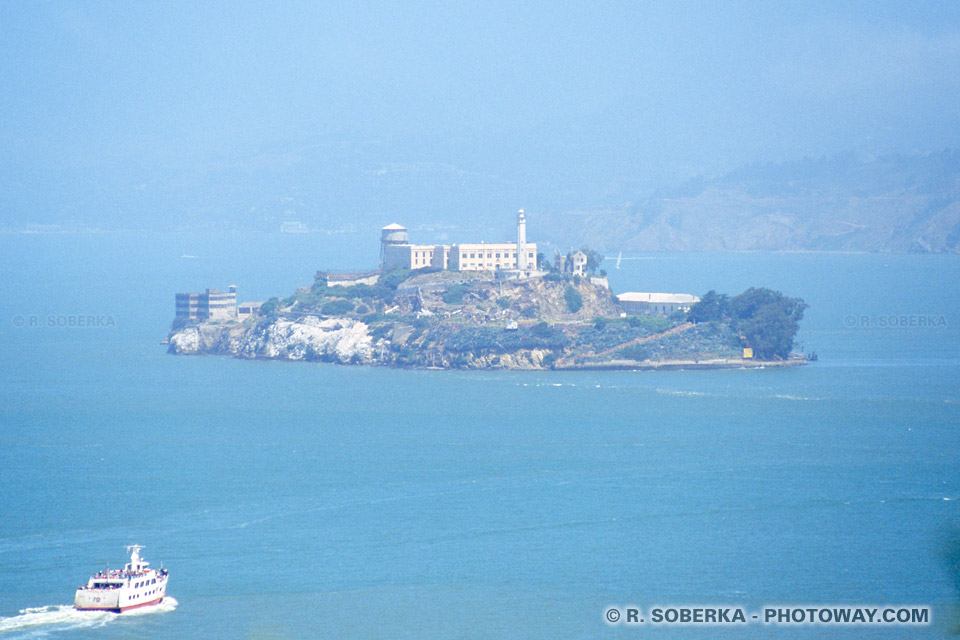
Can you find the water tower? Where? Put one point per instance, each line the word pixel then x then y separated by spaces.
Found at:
pixel 391 235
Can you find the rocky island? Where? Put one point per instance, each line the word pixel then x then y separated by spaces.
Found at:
pixel 438 318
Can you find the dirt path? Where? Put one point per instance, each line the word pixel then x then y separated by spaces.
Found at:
pixel 641 340
pixel 676 329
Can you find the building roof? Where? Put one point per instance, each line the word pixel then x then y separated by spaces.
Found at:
pixel 658 298
pixel 394 227
pixel 491 246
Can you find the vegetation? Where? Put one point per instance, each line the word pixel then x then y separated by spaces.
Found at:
pixel 478 340
pixel 573 298
pixel 269 308
pixel 454 294
pixel 766 320
pixel 337 307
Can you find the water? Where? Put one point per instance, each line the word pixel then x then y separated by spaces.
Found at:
pixel 306 500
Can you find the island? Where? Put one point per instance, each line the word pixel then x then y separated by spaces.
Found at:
pixel 554 318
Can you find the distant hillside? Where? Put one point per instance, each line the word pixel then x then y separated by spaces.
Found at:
pixel 899 203
pixel 452 194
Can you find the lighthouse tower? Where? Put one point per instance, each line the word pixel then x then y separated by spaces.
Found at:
pixel 522 241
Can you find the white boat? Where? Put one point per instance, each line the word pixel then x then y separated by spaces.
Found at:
pixel 136 585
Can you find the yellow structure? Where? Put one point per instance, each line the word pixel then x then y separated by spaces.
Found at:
pixel 747 353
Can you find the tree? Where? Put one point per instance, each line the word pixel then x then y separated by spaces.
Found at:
pixel 573 298
pixel 713 307
pixel 593 259
pixel 269 308
pixel 767 320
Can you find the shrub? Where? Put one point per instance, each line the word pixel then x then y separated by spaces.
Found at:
pixel 503 302
pixel 454 295
pixel 380 331
pixel 393 279
pixel 487 339
pixel 654 324
pixel 541 329
pixel 270 307
pixel 573 298
pixel 635 352
pixel 337 307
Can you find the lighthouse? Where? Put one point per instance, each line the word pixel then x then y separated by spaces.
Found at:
pixel 522 241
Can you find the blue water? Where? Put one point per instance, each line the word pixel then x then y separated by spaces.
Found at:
pixel 308 500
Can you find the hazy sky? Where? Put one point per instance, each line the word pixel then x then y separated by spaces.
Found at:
pixel 670 89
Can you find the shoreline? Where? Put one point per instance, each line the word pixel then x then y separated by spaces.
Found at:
pixel 680 365
pixel 614 365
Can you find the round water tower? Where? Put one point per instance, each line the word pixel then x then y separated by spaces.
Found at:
pixel 393 234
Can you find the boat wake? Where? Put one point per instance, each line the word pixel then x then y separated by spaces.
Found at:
pixel 38 622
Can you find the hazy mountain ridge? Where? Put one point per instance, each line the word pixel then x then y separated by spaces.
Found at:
pixel 898 203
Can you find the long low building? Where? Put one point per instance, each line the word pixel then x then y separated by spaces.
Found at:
pixel 489 257
pixel 636 303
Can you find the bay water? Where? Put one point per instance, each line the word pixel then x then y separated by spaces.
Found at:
pixel 316 500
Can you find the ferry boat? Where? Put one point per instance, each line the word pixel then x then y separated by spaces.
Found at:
pixel 136 585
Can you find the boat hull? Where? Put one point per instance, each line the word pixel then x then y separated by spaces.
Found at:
pixel 118 609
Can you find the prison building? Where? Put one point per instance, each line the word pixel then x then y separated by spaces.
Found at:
pixel 210 306
pixel 489 257
pixel 410 256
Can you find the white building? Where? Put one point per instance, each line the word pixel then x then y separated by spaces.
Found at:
pixel 655 304
pixel 396 251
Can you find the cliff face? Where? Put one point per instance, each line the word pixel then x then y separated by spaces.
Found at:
pixel 342 340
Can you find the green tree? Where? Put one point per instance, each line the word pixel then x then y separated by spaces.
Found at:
pixel 573 298
pixel 270 307
pixel 767 320
pixel 713 307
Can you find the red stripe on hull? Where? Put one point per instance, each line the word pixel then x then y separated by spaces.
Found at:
pixel 121 609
